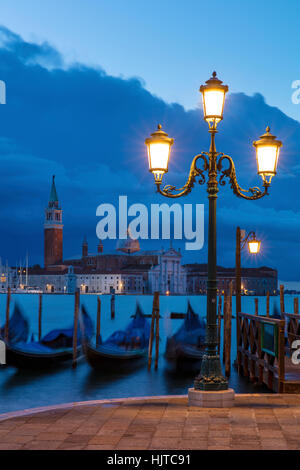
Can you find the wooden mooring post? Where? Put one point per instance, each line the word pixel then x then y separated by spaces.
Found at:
pixel 282 308
pixel 76 315
pixel 219 323
pixel 112 306
pixel 256 306
pixel 225 306
pixel 154 325
pixel 40 314
pixel 157 337
pixel 296 305
pixel 227 338
pixel 268 304
pixel 8 297
pixel 98 320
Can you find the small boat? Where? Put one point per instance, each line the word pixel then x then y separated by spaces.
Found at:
pixel 185 349
pixel 54 348
pixel 18 327
pixel 123 347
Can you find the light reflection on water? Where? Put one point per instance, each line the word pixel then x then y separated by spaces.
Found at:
pixel 20 389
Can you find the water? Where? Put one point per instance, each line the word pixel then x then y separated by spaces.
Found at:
pixel 21 389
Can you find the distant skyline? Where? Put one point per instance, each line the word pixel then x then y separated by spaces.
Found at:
pixel 174 46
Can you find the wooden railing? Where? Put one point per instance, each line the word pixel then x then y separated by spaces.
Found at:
pixel 292 331
pixel 255 359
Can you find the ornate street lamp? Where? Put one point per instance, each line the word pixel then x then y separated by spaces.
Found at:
pixel 254 247
pixel 212 162
pixel 159 148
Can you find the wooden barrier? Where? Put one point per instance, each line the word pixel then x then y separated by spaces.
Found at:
pixel 177 316
pixel 255 362
pixel 263 355
pixel 293 330
pixel 292 370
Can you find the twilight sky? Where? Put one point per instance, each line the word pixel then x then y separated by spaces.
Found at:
pixel 172 45
pixel 74 110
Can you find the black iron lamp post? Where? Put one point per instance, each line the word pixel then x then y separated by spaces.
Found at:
pixel 212 162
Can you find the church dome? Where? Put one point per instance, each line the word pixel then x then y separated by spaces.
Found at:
pixel 129 245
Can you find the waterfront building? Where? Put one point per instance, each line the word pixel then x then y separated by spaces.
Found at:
pixel 255 281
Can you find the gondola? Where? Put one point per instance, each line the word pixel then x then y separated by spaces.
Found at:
pixel 124 348
pixel 185 349
pixel 53 349
pixel 18 330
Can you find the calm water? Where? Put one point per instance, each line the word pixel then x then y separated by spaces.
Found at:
pixel 20 389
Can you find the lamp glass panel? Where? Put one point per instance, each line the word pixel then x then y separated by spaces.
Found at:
pixel 254 247
pixel 213 103
pixel 158 154
pixel 267 159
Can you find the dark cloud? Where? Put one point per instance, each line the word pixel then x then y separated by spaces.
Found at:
pixel 88 128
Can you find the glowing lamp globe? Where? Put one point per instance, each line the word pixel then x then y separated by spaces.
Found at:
pixel 213 98
pixel 254 246
pixel 267 153
pixel 159 148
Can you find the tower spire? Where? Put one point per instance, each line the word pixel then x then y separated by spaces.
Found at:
pixel 53 200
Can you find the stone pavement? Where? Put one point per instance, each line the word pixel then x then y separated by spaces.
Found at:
pixel 255 422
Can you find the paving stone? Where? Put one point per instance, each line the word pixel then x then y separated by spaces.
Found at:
pixel 256 422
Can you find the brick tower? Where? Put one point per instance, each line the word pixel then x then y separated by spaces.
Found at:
pixel 53 230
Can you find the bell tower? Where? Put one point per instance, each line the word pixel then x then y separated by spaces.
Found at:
pixel 53 230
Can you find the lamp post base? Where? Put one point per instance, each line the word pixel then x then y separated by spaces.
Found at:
pixel 220 399
pixel 211 378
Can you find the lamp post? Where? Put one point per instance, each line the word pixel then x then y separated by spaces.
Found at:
pixel 212 163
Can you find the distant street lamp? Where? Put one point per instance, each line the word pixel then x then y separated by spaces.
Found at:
pixel 254 247
pixel 159 150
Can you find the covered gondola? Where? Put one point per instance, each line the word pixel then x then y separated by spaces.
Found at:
pixel 123 348
pixel 18 328
pixel 54 348
pixel 185 349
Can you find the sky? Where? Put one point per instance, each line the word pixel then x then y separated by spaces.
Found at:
pixel 173 46
pixel 87 82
